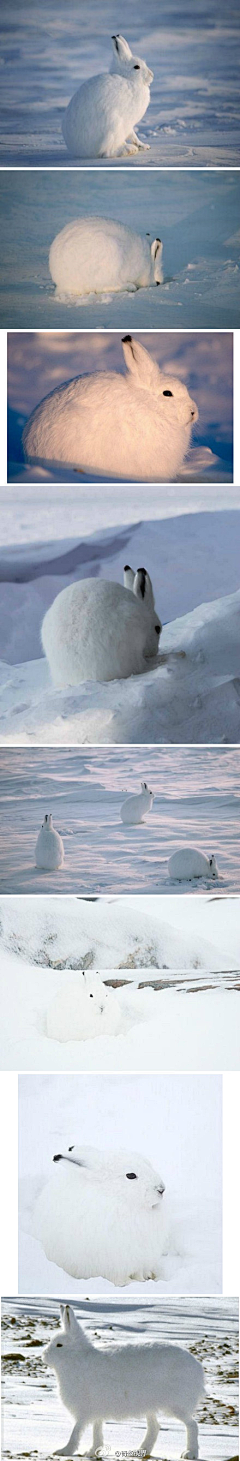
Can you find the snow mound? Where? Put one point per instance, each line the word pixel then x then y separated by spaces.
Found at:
pixel 193 695
pixel 74 933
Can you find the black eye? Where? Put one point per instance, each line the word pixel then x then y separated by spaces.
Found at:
pixel 59 1345
pixel 91 996
pixel 167 393
pixel 136 68
pixel 157 630
pixel 131 1176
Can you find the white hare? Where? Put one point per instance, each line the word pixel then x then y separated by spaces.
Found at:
pixel 49 851
pixel 83 1009
pixel 135 807
pixel 102 115
pixel 134 426
pixel 190 863
pixel 98 630
pixel 98 254
pixel 123 1382
pixel 102 1215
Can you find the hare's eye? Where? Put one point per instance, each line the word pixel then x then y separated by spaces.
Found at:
pixel 157 629
pixel 131 1176
pixel 91 996
pixel 167 393
pixel 59 1345
pixel 136 68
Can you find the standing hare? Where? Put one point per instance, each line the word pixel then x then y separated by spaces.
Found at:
pixel 102 115
pixel 97 630
pixel 136 807
pixel 123 1382
pixel 135 426
pixel 49 851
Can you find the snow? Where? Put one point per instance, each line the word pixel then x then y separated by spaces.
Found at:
pixel 193 116
pixel 38 362
pixel 174 1121
pixel 190 545
pixel 172 950
pixel 31 1404
pixel 196 803
pixel 195 213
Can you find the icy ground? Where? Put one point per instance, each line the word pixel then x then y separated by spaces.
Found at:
pixel 196 214
pixel 196 803
pixel 144 1113
pixel 37 363
pixel 208 1327
pixel 193 116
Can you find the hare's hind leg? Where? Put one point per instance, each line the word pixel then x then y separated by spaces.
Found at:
pixel 191 1454
pixel 150 1437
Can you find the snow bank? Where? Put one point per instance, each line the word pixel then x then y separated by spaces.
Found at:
pixel 192 696
pixel 75 934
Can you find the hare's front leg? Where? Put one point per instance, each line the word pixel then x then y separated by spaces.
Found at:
pixel 97 1444
pixel 141 146
pixel 150 1437
pixel 192 1441
pixel 73 1443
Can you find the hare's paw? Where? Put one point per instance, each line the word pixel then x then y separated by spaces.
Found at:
pixel 128 150
pixel 144 147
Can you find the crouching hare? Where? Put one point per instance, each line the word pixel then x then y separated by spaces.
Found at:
pixel 189 863
pixel 102 1214
pixel 94 255
pixel 123 1382
pixel 101 117
pixel 136 427
pixel 97 630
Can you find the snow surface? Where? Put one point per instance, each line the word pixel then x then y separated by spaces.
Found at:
pixel 169 1030
pixel 38 362
pixel 196 803
pixel 31 1404
pixel 193 116
pixel 174 1121
pixel 115 933
pixel 196 214
pixel 190 545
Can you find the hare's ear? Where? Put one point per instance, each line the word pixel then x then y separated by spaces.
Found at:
pixel 121 48
pixel 146 372
pixel 156 247
pixel 128 576
pixel 142 586
pixel 70 1323
pixel 62 1312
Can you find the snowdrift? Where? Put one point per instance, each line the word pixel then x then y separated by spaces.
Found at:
pixel 71 933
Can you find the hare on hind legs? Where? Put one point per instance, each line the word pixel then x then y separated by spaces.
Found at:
pixel 101 117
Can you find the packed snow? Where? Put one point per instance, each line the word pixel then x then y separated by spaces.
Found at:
pixel 144 1114
pixel 193 116
pixel 39 363
pixel 195 213
pixel 190 544
pixel 196 805
pixel 208 1327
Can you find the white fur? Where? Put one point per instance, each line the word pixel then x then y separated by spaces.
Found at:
pixel 120 425
pixel 49 851
pixel 97 630
pixel 136 807
pixel 190 863
pixel 83 1008
pixel 96 1222
pixel 98 254
pixel 122 1382
pixel 103 113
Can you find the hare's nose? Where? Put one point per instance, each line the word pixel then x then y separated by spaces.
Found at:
pixel 161 1189
pixel 58 1158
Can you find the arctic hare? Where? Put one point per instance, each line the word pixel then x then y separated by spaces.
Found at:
pixel 190 863
pixel 49 851
pixel 102 1215
pixel 83 1008
pixel 134 426
pixel 135 807
pixel 102 115
pixel 97 630
pixel 123 1382
pixel 98 254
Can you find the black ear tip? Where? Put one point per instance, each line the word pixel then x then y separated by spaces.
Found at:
pixel 58 1158
pixel 158 240
pixel 126 339
pixel 127 568
pixel 142 570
